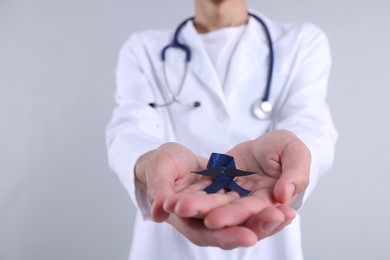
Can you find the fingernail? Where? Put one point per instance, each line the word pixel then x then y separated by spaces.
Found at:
pixel 290 190
pixel 269 227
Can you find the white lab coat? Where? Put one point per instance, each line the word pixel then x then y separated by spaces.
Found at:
pixel 302 63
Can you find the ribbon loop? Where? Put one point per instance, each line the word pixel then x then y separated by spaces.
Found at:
pixel 221 162
pixel 223 168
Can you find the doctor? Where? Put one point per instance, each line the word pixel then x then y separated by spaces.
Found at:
pixel 176 107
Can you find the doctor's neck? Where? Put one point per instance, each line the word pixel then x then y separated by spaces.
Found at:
pixel 211 15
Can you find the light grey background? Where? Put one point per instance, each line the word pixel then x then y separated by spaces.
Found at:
pixel 59 200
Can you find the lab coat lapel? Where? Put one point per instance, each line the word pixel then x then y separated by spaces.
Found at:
pixel 200 63
pixel 250 56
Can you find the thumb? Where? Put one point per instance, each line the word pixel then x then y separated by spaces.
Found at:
pixel 296 160
pixel 159 188
pixel 158 198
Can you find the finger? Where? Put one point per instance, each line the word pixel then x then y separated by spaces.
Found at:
pixel 198 204
pixel 227 238
pixel 195 188
pixel 166 193
pixel 289 214
pixel 270 221
pixel 170 203
pixel 159 195
pixel 160 182
pixel 237 212
pixel 294 179
pixel 233 237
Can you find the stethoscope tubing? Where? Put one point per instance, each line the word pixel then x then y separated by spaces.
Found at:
pixel 261 108
pixel 267 91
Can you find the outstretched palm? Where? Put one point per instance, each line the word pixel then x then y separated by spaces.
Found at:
pixel 226 219
pixel 282 164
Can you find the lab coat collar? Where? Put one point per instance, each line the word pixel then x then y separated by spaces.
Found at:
pixel 249 57
pixel 252 47
pixel 200 63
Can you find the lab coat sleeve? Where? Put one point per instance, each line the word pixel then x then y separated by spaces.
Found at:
pixel 304 110
pixel 134 128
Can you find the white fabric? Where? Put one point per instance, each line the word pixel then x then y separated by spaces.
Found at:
pixel 220 46
pixel 302 63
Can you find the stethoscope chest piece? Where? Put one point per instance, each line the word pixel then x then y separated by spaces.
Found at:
pixel 262 109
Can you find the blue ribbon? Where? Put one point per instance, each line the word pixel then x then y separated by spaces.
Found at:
pixel 223 168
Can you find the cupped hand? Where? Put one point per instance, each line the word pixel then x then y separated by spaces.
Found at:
pixel 166 171
pixel 282 163
pixel 195 230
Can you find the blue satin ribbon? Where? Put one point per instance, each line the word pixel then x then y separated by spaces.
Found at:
pixel 223 168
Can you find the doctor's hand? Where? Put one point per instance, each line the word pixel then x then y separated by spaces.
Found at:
pixel 166 171
pixel 282 163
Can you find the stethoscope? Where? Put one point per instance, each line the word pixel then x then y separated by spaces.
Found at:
pixel 261 108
